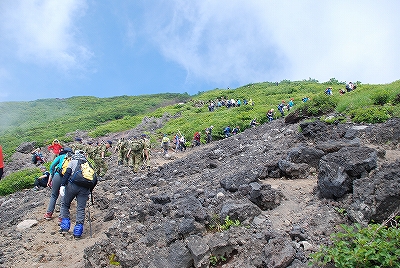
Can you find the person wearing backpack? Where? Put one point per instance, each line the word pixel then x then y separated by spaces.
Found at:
pixel 209 134
pixel 70 189
pixel 54 181
pixel 134 155
pixel 146 150
pixel 165 144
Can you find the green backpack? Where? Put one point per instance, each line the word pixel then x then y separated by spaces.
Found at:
pixel 136 146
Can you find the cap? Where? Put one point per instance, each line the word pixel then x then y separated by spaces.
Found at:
pixel 79 152
pixel 78 139
pixel 55 140
pixel 67 149
pixel 109 142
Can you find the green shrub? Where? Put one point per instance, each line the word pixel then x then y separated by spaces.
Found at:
pixel 381 97
pixel 216 225
pixel 372 246
pixel 320 104
pixel 370 115
pixel 19 180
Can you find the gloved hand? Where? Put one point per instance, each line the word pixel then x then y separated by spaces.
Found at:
pixel 62 190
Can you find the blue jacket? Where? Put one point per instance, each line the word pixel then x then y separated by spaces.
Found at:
pixel 56 165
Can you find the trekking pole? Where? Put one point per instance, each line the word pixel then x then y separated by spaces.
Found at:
pixel 90 222
pixel 90 218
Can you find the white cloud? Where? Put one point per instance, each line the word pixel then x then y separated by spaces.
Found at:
pixel 250 41
pixel 44 31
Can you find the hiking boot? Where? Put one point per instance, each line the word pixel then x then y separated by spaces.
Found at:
pixel 48 215
pixel 65 224
pixel 78 230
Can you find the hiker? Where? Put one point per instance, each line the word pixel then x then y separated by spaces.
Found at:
pixel 290 104
pixel 1 162
pixel 78 145
pixel 196 139
pixel 54 181
pixel 254 123
pixel 182 142
pixel 122 149
pixel 37 157
pixel 100 164
pixel 209 134
pixel 227 131
pixel 328 91
pixel 134 154
pixel 146 150
pixel 165 144
pixel 70 190
pixel 270 115
pixel 341 91
pixel 42 180
pixel 350 86
pixel 176 142
pixel 251 102
pixel 281 106
pixel 305 99
pixel 236 130
pixel 55 149
pixel 238 102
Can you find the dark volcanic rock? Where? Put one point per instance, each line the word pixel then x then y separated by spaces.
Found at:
pixel 337 171
pixel 378 196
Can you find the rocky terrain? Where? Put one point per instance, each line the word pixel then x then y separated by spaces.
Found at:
pixel 287 184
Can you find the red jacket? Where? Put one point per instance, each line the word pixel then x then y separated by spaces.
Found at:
pixel 1 158
pixel 55 148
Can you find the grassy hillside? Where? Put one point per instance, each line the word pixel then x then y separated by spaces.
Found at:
pixel 44 120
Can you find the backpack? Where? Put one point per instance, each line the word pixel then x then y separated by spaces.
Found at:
pixel 84 175
pixel 136 146
pixel 65 163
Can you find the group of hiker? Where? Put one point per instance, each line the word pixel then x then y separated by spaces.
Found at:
pixel 134 153
pixel 73 173
pixel 228 103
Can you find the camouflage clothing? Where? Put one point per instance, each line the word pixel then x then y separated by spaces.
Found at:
pixel 135 154
pixel 100 165
pixel 122 149
pixel 146 151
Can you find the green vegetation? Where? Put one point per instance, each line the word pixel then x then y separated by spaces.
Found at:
pixel 372 246
pixel 216 225
pixel 19 180
pixel 214 260
pixel 113 260
pixel 43 120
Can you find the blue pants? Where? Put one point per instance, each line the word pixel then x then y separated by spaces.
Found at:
pixel 82 195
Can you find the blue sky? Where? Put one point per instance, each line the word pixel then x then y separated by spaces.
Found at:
pixel 105 48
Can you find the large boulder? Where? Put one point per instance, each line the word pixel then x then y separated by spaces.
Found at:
pixel 232 183
pixel 239 211
pixel 264 196
pixel 293 170
pixel 307 155
pixel 376 197
pixel 26 147
pixel 279 252
pixel 337 171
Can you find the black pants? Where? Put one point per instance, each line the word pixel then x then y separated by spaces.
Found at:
pixel 1 173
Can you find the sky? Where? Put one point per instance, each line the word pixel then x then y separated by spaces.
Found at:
pixel 60 49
